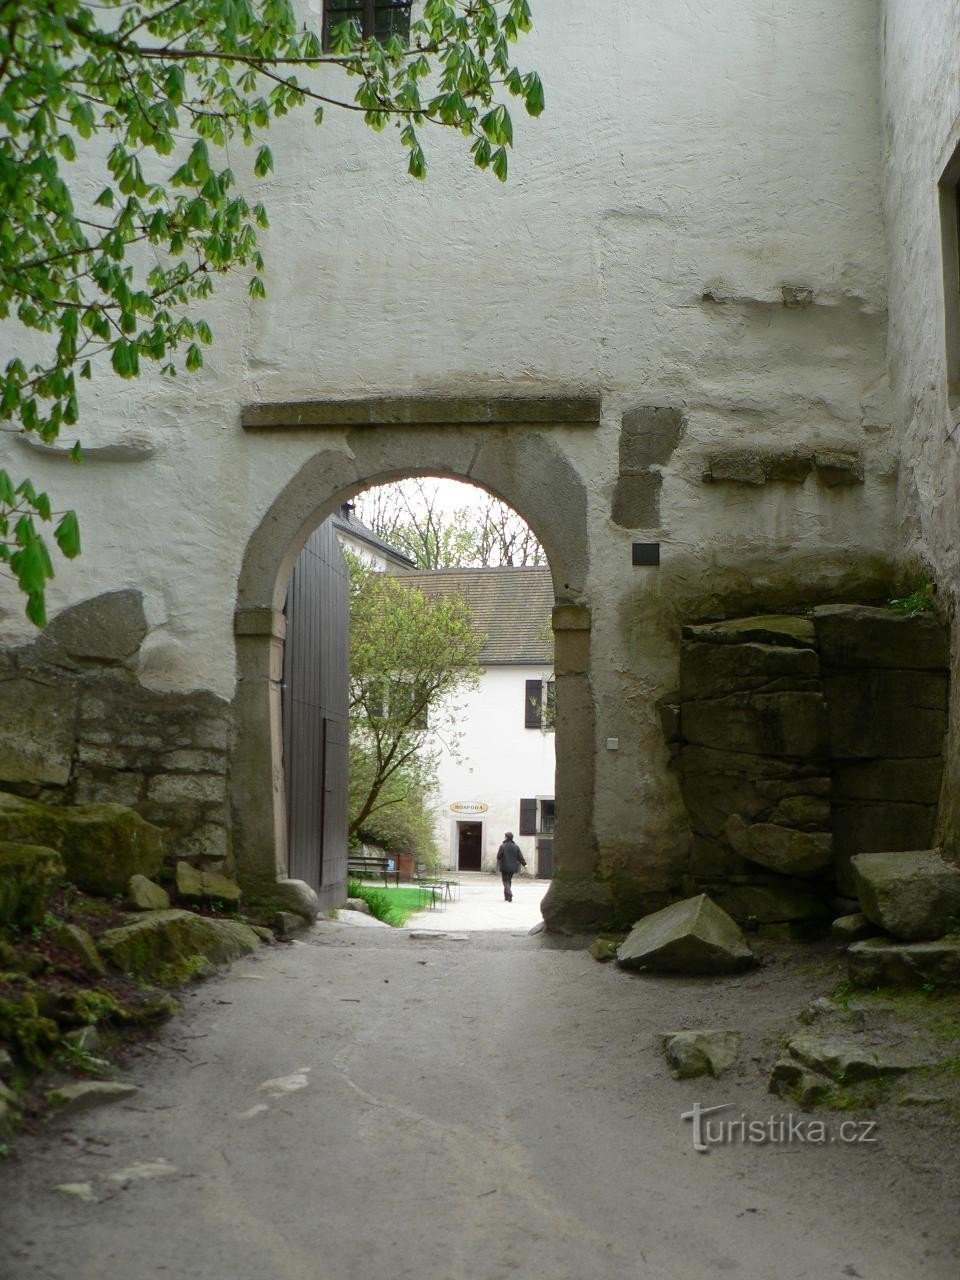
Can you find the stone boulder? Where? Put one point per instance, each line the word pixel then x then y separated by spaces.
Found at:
pixel 79 943
pixel 700 1053
pixel 168 946
pixel 852 928
pixel 878 962
pixel 914 896
pixel 102 845
pixel 28 876
pixel 693 936
pixel 847 1059
pixel 144 895
pixel 782 849
pixel 296 896
pixel 196 885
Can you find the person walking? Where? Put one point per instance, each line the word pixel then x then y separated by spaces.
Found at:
pixel 509 862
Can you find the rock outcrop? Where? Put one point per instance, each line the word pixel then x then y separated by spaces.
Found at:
pixel 169 946
pixel 101 845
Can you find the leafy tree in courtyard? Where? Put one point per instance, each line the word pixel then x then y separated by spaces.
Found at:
pixel 410 516
pixel 410 655
pixel 150 93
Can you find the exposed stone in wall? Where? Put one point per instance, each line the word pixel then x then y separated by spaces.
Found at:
pixel 78 726
pixel 801 741
pixel 648 437
pixel 836 468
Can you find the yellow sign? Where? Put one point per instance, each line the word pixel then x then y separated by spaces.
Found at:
pixel 469 806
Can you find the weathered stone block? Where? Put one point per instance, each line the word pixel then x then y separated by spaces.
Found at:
pixel 164 945
pixel 700 1053
pixel 854 635
pixel 102 845
pixel 204 788
pixel 852 928
pixel 709 670
pixel 648 436
pixel 838 467
pixel 144 895
pixel 36 731
pixel 781 849
pixel 871 827
pixel 777 629
pixel 898 781
pixel 771 903
pixel 893 714
pixel 693 936
pixel 636 501
pixel 777 724
pixel 848 1060
pixel 877 962
pixel 914 895
pixel 28 876
pixel 805 812
pixel 194 885
pixel 107 629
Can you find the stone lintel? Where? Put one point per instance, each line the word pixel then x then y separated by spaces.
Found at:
pixel 259 621
pixel 425 410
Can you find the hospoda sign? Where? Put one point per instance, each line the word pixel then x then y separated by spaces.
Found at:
pixel 469 806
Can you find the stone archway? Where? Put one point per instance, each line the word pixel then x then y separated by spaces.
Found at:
pixel 506 447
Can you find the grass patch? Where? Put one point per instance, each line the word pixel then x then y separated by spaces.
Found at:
pixel 393 906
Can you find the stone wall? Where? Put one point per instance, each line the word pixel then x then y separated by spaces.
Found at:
pixel 79 726
pixel 800 741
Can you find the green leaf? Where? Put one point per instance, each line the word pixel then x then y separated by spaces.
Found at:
pixel 67 534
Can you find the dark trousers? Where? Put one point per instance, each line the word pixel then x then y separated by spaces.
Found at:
pixel 507 878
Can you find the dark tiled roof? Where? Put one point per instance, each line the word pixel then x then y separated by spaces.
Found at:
pixel 511 605
pixel 357 529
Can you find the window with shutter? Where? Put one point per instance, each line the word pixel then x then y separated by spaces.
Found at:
pixel 528 817
pixel 533 704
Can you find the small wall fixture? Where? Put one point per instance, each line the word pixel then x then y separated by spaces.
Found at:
pixel 646 553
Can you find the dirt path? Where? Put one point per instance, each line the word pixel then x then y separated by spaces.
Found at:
pixel 468 1110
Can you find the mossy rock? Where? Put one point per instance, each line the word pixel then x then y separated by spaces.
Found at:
pixel 102 845
pixel 28 876
pixel 30 1035
pixel 79 943
pixel 171 946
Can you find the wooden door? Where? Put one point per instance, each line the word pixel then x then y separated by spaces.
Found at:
pixel 315 756
pixel 469 845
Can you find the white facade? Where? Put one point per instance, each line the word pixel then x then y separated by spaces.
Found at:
pixel 711 216
pixel 497 763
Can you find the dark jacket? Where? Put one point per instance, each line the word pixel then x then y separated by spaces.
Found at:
pixel 509 858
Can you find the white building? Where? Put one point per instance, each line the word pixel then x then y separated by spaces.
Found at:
pixel 500 775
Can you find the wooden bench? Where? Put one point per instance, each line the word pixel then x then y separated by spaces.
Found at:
pixel 368 867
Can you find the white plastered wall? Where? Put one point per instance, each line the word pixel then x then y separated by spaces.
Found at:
pixel 715 150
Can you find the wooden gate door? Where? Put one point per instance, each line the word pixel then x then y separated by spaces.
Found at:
pixel 315 670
